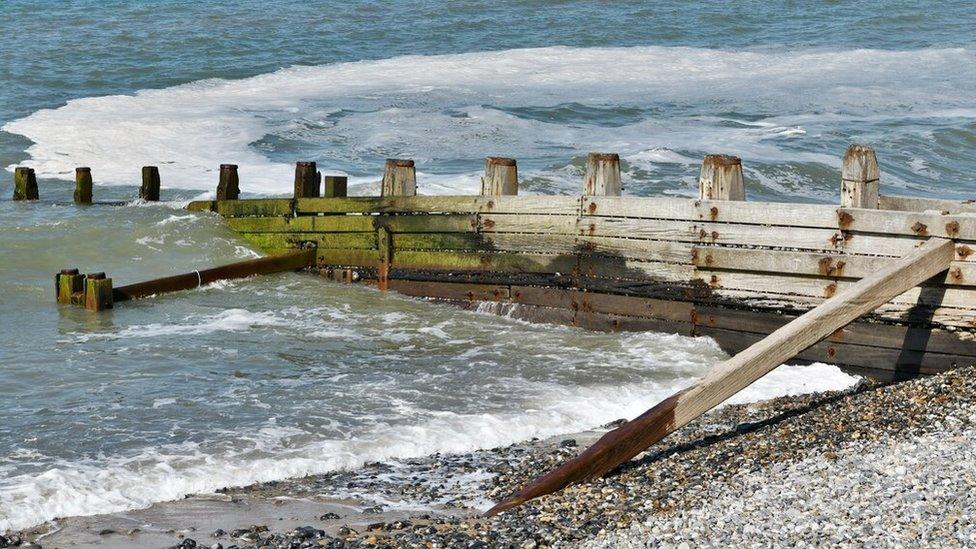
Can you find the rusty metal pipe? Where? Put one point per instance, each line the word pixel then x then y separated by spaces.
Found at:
pixel 291 261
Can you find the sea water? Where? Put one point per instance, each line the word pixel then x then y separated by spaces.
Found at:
pixel 286 375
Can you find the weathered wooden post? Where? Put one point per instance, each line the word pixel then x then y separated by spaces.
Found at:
pixel 149 191
pixel 228 188
pixel 25 184
pixel 335 186
pixel 98 292
pixel 721 178
pixel 501 177
pixel 602 175
pixel 83 185
pixel 399 178
pixel 68 283
pixel 306 180
pixel 859 178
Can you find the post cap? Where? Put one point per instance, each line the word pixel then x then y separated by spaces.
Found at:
pixel 399 163
pixel 722 160
pixel 500 161
pixel 305 164
pixel 228 166
pixel 95 276
pixel 69 271
pixel 604 157
pixel 82 169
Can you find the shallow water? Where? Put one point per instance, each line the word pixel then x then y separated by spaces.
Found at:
pixel 286 375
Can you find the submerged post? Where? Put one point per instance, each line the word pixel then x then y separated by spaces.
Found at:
pixel 83 185
pixel 98 292
pixel 228 188
pixel 336 186
pixel 68 284
pixel 501 177
pixel 149 191
pixel 25 184
pixel 306 180
pixel 399 178
pixel 859 178
pixel 721 178
pixel 602 175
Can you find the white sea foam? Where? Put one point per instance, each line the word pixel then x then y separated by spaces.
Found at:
pixel 460 106
pixel 270 453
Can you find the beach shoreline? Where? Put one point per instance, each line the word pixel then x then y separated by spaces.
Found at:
pixel 882 463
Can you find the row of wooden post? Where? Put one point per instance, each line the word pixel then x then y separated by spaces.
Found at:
pixel 25 184
pixel 720 178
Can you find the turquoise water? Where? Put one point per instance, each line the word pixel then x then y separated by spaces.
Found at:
pixel 263 379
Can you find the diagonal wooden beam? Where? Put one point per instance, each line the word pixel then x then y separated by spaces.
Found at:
pixel 740 371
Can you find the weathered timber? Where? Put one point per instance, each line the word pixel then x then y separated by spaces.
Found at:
pixel 451 290
pixel 960 273
pixel 229 185
pixel 740 371
pixel 25 184
pixel 98 292
pixel 335 186
pixel 500 178
pixel 306 180
pixel 149 190
pixel 721 178
pixel 291 261
pixel 282 242
pixel 860 178
pixel 602 175
pixel 917 204
pixel 555 205
pixel 83 186
pixel 258 207
pixel 384 248
pixel 68 285
pixel 399 178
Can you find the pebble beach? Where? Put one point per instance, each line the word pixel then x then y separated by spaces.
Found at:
pixel 883 465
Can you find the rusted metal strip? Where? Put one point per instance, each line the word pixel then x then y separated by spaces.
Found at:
pixel 291 261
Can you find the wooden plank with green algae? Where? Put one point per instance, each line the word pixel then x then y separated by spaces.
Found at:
pixel 473 261
pixel 254 207
pixel 556 205
pixel 284 241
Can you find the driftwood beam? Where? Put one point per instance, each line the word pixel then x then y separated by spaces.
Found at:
pixel 740 371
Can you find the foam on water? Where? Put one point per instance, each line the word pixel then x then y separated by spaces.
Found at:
pixel 680 101
pixel 172 471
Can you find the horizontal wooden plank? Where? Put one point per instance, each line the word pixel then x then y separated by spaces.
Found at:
pixel 555 205
pixel 451 290
pixel 436 223
pixel 786 285
pixel 201 206
pixel 916 204
pixel 813 264
pixel 254 207
pixel 617 267
pixel 473 261
pixel 327 257
pixel 888 222
pixel 277 241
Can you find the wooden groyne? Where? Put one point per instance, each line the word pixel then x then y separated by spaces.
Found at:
pixel 719 266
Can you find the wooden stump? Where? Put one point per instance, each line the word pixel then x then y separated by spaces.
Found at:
pixel 501 177
pixel 602 175
pixel 859 178
pixel 335 186
pixel 98 292
pixel 149 191
pixel 68 283
pixel 25 184
pixel 306 180
pixel 721 178
pixel 399 178
pixel 83 186
pixel 228 188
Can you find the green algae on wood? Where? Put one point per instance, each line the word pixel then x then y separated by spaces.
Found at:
pixel 83 186
pixel 25 184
